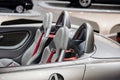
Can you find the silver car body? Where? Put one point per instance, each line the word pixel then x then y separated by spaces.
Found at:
pixel 101 64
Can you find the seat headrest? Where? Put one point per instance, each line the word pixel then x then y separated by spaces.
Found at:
pixel 38 33
pixel 47 23
pixel 64 20
pixel 61 38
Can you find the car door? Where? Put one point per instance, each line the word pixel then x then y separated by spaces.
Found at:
pixel 68 70
pixel 2 3
pixel 10 4
pixel 7 3
pixel 107 70
pixel 14 3
pixel 14 41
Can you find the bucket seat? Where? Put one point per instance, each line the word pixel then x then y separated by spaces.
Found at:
pixel 54 52
pixel 34 50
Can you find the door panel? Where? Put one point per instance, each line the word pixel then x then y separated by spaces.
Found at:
pixel 2 3
pixel 69 71
pixel 5 3
pixel 15 40
pixel 103 71
pixel 11 40
pixel 8 3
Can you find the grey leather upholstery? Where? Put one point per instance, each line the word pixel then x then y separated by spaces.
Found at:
pixel 59 43
pixel 84 38
pixel 29 52
pixel 47 25
pixel 63 20
pixel 28 56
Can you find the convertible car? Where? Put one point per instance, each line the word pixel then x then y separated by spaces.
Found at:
pixel 57 51
pixel 87 3
pixel 17 5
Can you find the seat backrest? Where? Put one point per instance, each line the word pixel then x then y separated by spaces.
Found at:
pixel 47 24
pixel 53 51
pixel 63 20
pixel 31 50
pixel 40 38
pixel 84 38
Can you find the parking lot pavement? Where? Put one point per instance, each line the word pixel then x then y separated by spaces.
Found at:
pixel 106 22
pixel 64 5
pixel 31 14
pixel 106 6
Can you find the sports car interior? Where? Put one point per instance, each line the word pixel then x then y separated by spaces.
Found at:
pixel 43 37
pixel 50 43
pixel 45 44
pixel 56 51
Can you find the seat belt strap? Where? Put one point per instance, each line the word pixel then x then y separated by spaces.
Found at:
pixel 50 57
pixel 38 44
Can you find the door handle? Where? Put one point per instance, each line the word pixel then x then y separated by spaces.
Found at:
pixel 1 36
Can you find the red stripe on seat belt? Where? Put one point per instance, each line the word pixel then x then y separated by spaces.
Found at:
pixel 38 44
pixel 56 60
pixel 70 59
pixel 68 51
pixel 50 57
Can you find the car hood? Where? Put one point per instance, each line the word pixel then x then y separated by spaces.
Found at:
pixel 106 48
